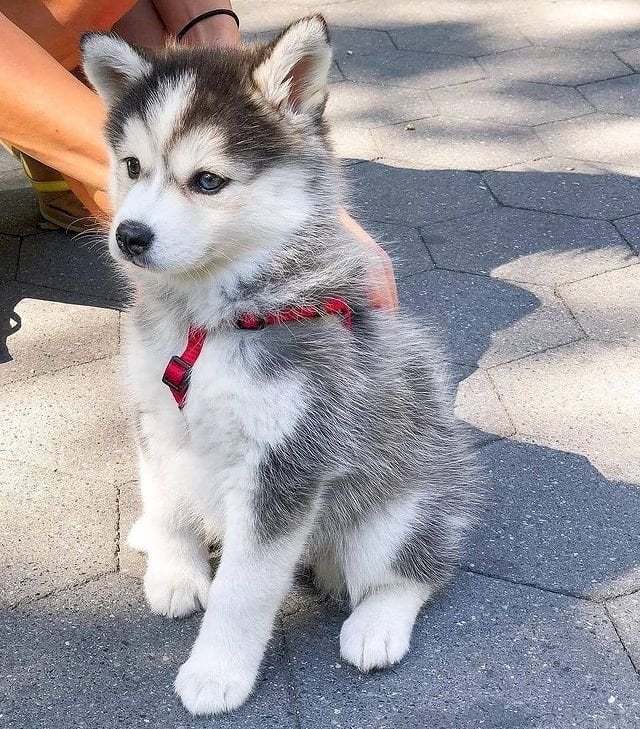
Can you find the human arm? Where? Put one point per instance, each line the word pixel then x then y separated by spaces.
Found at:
pixel 34 116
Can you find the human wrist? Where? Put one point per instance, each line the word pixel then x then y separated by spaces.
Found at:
pixel 218 29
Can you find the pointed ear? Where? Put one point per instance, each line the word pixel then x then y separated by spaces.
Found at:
pixel 294 75
pixel 111 64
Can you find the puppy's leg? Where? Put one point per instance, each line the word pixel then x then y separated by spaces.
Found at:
pixel 385 602
pixel 253 577
pixel 177 579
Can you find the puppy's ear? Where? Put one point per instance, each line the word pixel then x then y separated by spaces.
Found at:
pixel 294 74
pixel 111 64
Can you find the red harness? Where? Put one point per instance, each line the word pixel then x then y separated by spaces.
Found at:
pixel 177 373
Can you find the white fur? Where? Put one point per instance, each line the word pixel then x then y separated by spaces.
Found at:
pixel 205 150
pixel 111 63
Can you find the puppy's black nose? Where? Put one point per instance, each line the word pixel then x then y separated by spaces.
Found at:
pixel 133 238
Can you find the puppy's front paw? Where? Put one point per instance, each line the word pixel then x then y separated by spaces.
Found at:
pixel 213 686
pixel 176 592
pixel 368 644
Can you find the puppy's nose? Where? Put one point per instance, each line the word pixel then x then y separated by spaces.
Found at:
pixel 133 238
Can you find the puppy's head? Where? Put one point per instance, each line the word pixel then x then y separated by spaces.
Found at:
pixel 215 153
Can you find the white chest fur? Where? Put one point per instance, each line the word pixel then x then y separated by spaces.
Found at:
pixel 230 419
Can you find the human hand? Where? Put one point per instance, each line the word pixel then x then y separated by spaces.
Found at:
pixel 383 294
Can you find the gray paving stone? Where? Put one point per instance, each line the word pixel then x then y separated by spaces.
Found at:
pixel 405 246
pixel 487 321
pixel 582 398
pixel 9 251
pixel 70 420
pixel 58 531
pixel 387 191
pixel 521 245
pixel 12 176
pixel 47 331
pixel 478 405
pixel 614 28
pixel 512 102
pixel 616 96
pixel 568 67
pixel 8 162
pixel 130 562
pixel 487 654
pixel 368 106
pixel 95 658
pixel 376 14
pixel 629 228
pixel 358 41
pixel 598 137
pixel 631 57
pixel 554 521
pixel 58 260
pixel 19 213
pixel 462 39
pixel 625 613
pixel 466 144
pixel 468 405
pixel 352 143
pixel 569 186
pixel 607 306
pixel 411 69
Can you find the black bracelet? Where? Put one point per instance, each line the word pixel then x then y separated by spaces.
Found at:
pixel 204 16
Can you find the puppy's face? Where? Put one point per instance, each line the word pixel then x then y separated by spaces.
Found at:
pixel 210 149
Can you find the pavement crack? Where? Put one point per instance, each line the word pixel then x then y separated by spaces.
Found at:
pixel 117 529
pixel 533 585
pixel 60 591
pixel 292 684
pixel 636 667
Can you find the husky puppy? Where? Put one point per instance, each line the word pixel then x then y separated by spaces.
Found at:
pixel 315 428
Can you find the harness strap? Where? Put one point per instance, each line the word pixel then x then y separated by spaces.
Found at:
pixel 297 313
pixel 178 371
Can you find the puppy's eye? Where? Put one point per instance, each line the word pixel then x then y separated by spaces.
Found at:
pixel 133 167
pixel 208 182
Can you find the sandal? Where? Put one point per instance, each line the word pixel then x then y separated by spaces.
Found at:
pixel 59 207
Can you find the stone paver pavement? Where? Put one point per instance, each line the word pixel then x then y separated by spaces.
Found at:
pixel 494 148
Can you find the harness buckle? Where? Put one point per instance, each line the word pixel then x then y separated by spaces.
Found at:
pixel 176 375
